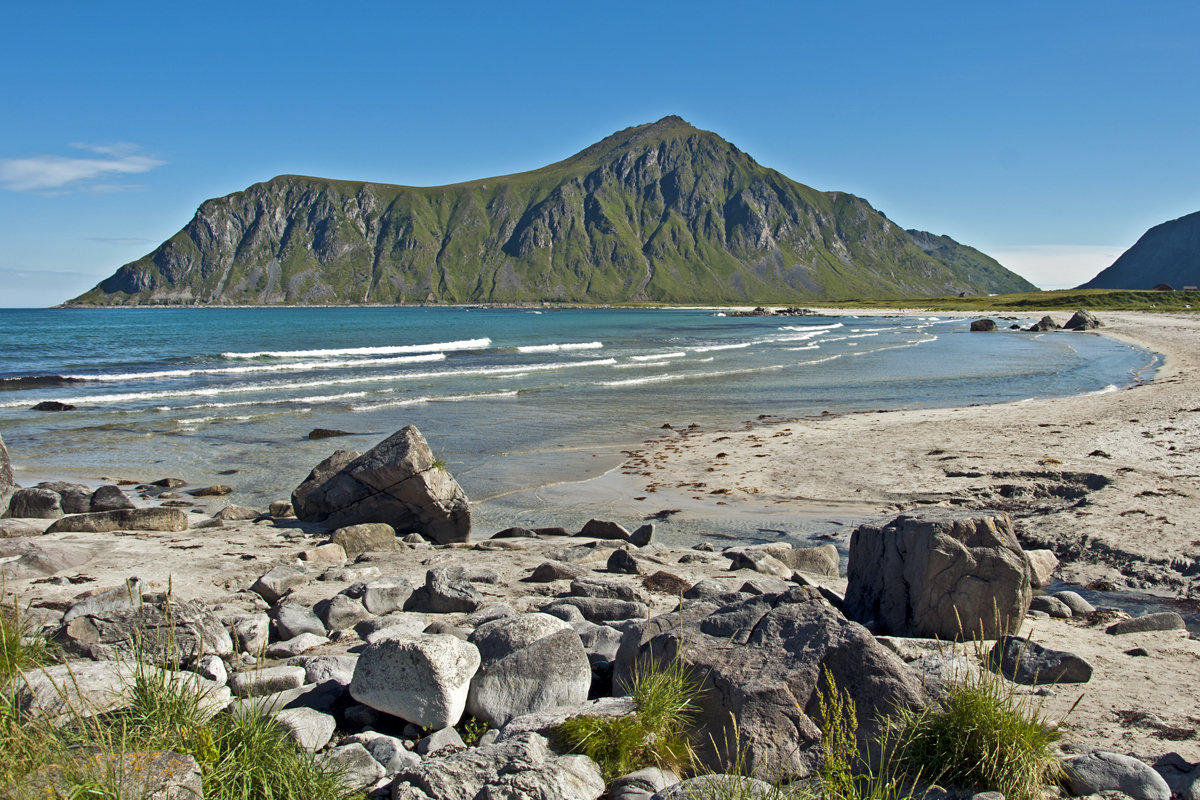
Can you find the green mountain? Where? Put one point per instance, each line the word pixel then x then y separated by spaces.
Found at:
pixel 656 213
pixel 1168 253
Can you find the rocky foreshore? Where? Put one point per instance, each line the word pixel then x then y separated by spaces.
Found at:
pixel 433 661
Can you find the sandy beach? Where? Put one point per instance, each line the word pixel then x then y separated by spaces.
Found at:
pixel 1108 481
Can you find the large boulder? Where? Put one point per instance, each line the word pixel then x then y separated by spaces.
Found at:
pixel 398 482
pixel 523 766
pixel 35 503
pixel 529 663
pixel 164 633
pixel 1083 320
pixel 939 574
pixel 762 662
pixel 422 679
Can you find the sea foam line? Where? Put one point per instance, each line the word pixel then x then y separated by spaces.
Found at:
pixel 682 376
pixel 810 327
pixel 439 347
pixel 294 367
pixel 216 391
pixel 450 398
pixel 659 356
pixel 554 348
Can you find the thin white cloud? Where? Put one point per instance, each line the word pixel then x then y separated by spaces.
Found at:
pixel 53 172
pixel 1057 266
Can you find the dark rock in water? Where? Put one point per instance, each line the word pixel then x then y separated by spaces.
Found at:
pixel 398 482
pixel 7 485
pixel 53 405
pixel 327 433
pixel 35 504
pixel 1083 321
pixel 216 490
pixel 763 661
pixel 943 574
pixel 1023 661
pixel 1044 324
pixel 109 498
pixel 983 325
pixel 1164 621
pixel 125 519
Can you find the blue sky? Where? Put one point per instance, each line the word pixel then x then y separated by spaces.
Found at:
pixel 1050 135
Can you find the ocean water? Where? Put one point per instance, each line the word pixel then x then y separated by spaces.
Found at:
pixel 511 399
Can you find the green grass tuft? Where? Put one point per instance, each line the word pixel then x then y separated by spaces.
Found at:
pixel 982 736
pixel 656 735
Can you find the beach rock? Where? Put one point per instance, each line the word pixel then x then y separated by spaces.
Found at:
pixel 440 740
pixel 385 595
pixel 274 584
pixel 74 499
pixel 309 728
pixel 597 586
pixel 1042 563
pixel 396 623
pixel 366 537
pixel 280 509
pixel 820 560
pixel 1046 323
pixel 489 614
pixel 761 661
pixel 549 571
pixel 1164 621
pixel 160 632
pixel 235 513
pixel 397 482
pixel 515 533
pixel 1083 321
pixel 545 722
pixel 85 688
pixel 528 663
pixel 296 645
pixel 324 554
pixel 523 766
pixel 341 612
pixel 14 528
pixel 662 582
pixel 319 669
pixel 421 679
pixel 35 504
pixel 109 498
pixel 127 595
pixel 1182 776
pixel 1075 602
pixel 642 784
pixel 602 529
pixel 250 632
pixel 942 574
pixel 599 609
pixel 642 536
pixel 212 668
pixel 169 483
pixel 266 680
pixel 983 325
pixel 387 750
pixel 7 484
pixel 1112 772
pixel 327 433
pixel 126 519
pixel 1051 606
pixel 54 405
pixel 758 561
pixel 32 559
pixel 627 563
pixel 447 590
pixel 293 619
pixel 216 490
pixel 358 767
pixel 439 626
pixel 318 696
pixel 1023 661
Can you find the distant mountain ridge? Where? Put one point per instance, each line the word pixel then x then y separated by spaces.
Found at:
pixel 1166 254
pixel 662 212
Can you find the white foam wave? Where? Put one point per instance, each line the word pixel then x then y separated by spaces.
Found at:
pixel 659 356
pixel 417 401
pixel 1106 390
pixel 439 347
pixel 812 361
pixel 811 327
pixel 554 348
pixel 813 346
pixel 301 366
pixel 683 376
pixel 642 364
pixel 712 347
pixel 216 391
pixel 205 420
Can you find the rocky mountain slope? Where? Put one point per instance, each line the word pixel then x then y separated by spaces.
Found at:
pixel 1168 253
pixel 656 213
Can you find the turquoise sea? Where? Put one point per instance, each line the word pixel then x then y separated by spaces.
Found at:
pixel 511 399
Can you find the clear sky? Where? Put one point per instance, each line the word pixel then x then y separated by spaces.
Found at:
pixel 1050 135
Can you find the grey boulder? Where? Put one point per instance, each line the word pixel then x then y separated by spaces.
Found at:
pixel 1023 661
pixel 124 519
pixel 421 679
pixel 1108 772
pixel 35 504
pixel 944 574
pixel 398 482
